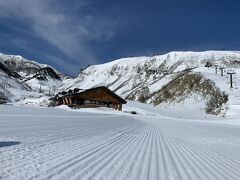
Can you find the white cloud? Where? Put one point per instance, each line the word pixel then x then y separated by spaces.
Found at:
pixel 68 32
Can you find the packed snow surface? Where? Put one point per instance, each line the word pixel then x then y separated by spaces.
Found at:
pixel 60 143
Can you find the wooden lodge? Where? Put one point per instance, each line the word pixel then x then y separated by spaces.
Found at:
pixel 95 97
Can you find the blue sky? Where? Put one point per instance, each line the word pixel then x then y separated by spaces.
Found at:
pixel 70 34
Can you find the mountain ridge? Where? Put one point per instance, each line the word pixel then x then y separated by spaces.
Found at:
pixel 137 77
pixel 143 78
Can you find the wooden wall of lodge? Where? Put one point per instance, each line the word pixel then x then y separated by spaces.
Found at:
pixel 97 95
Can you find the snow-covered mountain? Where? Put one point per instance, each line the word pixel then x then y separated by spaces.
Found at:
pixel 21 78
pixel 163 79
pixel 23 66
pixel 177 80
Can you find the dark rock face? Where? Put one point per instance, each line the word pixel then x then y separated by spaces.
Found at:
pixel 20 65
pixel 50 72
pixel 23 69
pixel 185 84
pixel 43 74
pixel 8 71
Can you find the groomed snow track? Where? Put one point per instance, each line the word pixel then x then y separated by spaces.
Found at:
pixel 56 144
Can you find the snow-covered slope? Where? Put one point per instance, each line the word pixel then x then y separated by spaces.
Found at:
pixel 14 90
pixel 142 78
pixel 60 143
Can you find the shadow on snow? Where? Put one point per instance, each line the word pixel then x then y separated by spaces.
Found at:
pixel 8 143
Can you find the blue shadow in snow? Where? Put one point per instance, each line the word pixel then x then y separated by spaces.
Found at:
pixel 8 143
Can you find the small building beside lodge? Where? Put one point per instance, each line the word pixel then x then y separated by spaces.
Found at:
pixel 95 97
pixel 3 100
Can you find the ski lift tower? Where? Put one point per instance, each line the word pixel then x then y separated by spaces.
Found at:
pixel 5 84
pixel 208 64
pixel 216 68
pixel 231 72
pixel 165 72
pixel 221 68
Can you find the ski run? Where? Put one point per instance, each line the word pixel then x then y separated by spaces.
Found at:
pixel 59 143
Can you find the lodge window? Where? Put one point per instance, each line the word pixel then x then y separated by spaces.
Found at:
pixel 78 101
